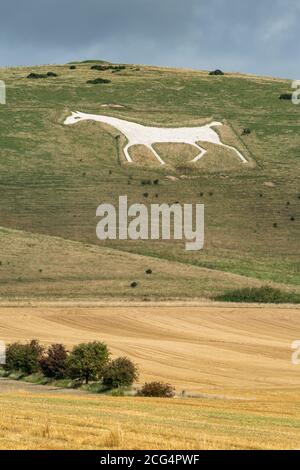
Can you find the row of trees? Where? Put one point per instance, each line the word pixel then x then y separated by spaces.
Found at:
pixel 87 362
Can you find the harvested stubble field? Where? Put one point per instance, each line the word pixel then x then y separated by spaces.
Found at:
pixel 236 360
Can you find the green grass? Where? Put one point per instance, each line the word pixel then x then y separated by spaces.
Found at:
pixel 53 177
pixel 265 294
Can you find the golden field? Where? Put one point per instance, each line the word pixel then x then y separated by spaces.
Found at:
pixel 51 421
pixel 234 359
pixel 203 349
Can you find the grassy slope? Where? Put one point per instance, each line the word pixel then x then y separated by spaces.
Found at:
pixel 52 178
pixel 31 421
pixel 40 266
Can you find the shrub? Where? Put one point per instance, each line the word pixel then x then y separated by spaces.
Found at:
pixel 216 72
pixel 72 67
pixel 96 81
pixel 87 361
pixel 148 271
pixel 100 67
pixel 51 74
pixel 286 96
pixel 265 294
pixel 246 131
pixel 134 284
pixel 24 357
pixel 34 75
pixel 157 389
pixel 121 372
pixel 54 364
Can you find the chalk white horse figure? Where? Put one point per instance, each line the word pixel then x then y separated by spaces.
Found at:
pixel 137 134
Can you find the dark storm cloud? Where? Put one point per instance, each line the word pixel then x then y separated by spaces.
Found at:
pixel 248 35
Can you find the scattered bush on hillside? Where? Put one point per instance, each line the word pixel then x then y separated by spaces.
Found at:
pixel 54 363
pixel 265 294
pixel 87 361
pixel 292 218
pixel 146 182
pixel 246 131
pixel 72 67
pixel 286 96
pixel 97 81
pixel 157 389
pixel 34 75
pixel 121 372
pixel 134 284
pixel 114 68
pixel 148 271
pixel 145 194
pixel 24 357
pixel 216 72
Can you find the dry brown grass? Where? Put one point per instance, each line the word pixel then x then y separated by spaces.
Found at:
pixel 33 421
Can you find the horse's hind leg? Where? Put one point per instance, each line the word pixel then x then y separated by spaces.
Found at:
pixel 242 158
pixel 200 155
pixel 156 154
pixel 128 157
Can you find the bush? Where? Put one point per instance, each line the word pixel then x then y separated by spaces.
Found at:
pixel 263 294
pixel 157 389
pixel 87 361
pixel 96 81
pixel 72 67
pixel 24 357
pixel 148 271
pixel 286 96
pixel 134 284
pixel 121 372
pixel 216 72
pixel 246 131
pixel 34 75
pixel 54 364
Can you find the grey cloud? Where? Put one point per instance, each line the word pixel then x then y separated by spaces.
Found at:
pixel 249 35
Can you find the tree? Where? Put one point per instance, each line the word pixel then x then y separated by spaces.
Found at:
pixel 157 389
pixel 14 356
pixel 87 361
pixel 121 372
pixel 24 357
pixel 54 364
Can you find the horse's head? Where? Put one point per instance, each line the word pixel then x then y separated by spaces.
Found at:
pixel 75 117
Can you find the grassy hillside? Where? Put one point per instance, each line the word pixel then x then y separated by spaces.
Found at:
pixel 40 266
pixel 53 177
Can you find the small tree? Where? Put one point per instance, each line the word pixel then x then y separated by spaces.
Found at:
pixel 14 357
pixel 157 389
pixel 121 372
pixel 54 364
pixel 24 357
pixel 87 361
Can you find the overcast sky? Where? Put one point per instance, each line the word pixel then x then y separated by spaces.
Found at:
pixel 256 36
